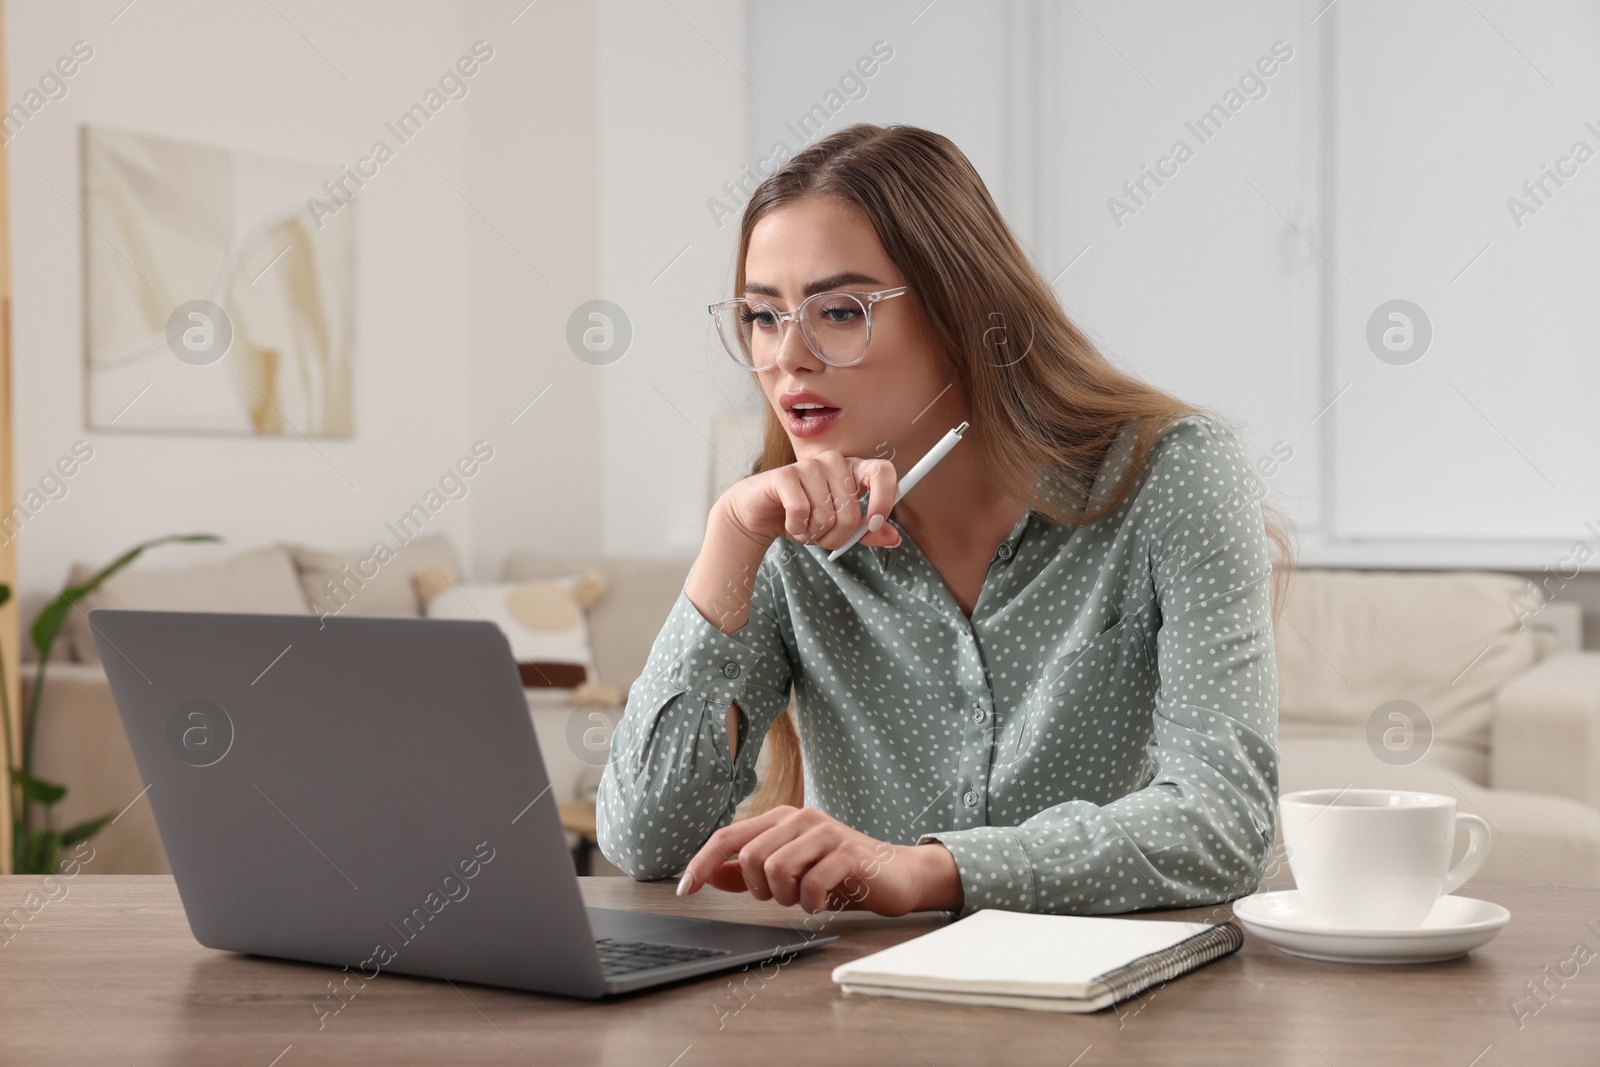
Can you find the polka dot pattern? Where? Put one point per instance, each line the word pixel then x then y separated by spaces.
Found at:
pixel 1099 737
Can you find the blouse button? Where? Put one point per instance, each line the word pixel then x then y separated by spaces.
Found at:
pixel 971 799
pixel 978 714
pixel 730 670
pixel 1005 551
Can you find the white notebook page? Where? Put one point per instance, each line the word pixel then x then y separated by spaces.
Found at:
pixel 1018 952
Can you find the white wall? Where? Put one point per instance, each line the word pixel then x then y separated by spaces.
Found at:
pixel 241 76
pixel 456 331
pixel 465 292
pixel 674 96
pixel 1195 290
pixel 531 163
pixel 946 71
pixel 586 155
pixel 1489 435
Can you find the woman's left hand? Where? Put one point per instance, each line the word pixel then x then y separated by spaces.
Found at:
pixel 804 856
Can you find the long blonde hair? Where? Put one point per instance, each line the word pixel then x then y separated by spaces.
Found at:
pixel 1062 403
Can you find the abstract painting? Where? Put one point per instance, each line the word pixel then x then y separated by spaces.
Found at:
pixel 171 226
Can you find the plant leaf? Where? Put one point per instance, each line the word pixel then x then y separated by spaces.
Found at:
pixel 41 854
pixel 48 624
pixel 84 830
pixel 5 593
pixel 37 789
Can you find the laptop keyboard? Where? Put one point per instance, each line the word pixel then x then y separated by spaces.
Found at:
pixel 624 957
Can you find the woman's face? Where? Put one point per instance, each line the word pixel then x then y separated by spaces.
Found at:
pixel 900 398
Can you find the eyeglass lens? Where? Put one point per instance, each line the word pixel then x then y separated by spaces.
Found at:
pixel 833 324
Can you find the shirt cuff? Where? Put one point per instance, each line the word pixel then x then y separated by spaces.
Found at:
pixel 711 666
pixel 995 869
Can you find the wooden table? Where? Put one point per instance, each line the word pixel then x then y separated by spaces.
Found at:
pixel 109 974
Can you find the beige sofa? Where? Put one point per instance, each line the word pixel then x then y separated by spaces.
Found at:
pixel 81 743
pixel 1372 663
pixel 1515 712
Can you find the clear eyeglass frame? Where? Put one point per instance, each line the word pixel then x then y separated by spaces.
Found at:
pixel 867 300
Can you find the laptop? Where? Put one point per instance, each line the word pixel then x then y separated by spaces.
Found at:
pixel 368 793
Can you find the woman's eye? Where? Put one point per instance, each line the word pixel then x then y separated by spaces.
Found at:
pixel 841 314
pixel 762 319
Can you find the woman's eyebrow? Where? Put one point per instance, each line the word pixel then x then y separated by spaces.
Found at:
pixel 821 285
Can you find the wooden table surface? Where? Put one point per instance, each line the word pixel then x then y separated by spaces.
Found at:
pixel 107 973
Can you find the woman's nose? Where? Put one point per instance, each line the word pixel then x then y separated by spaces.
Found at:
pixel 793 351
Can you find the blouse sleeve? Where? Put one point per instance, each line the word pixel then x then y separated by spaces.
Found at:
pixel 669 780
pixel 1201 831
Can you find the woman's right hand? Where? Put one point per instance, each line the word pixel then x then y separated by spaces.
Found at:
pixel 813 501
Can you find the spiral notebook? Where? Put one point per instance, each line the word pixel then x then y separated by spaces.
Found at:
pixel 1041 962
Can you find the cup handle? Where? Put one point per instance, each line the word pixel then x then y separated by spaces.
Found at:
pixel 1477 851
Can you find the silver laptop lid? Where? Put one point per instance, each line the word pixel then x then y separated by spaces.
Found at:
pixel 362 792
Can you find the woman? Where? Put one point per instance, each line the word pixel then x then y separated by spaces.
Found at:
pixel 1044 681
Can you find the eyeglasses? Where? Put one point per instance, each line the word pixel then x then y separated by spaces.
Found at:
pixel 837 326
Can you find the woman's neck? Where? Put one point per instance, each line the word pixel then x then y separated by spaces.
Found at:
pixel 958 504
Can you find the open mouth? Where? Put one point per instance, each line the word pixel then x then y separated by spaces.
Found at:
pixel 810 421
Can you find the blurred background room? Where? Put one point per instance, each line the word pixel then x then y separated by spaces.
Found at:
pixel 404 301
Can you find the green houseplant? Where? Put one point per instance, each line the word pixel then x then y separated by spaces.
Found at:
pixel 35 839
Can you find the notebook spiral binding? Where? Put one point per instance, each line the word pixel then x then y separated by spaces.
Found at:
pixel 1140 974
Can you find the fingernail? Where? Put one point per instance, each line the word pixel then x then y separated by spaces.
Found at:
pixel 874 522
pixel 685 883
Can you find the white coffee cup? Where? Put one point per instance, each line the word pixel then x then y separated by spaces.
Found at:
pixel 1377 858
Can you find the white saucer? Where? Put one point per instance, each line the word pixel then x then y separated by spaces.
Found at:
pixel 1454 927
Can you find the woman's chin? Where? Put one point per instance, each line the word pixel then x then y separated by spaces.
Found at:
pixel 808 447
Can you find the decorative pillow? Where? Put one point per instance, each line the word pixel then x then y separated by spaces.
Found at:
pixel 262 580
pixel 545 622
pixel 372 581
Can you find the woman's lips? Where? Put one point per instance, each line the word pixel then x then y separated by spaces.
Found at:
pixel 816 421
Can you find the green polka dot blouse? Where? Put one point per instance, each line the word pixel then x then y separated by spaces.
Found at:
pixel 1099 737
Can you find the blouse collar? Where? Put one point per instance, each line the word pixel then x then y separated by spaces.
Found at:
pixel 1105 479
pixel 885 555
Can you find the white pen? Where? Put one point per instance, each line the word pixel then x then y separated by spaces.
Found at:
pixel 913 476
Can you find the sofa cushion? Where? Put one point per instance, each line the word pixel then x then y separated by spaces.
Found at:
pixel 545 624
pixel 1349 642
pixel 623 624
pixel 261 580
pixel 368 581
